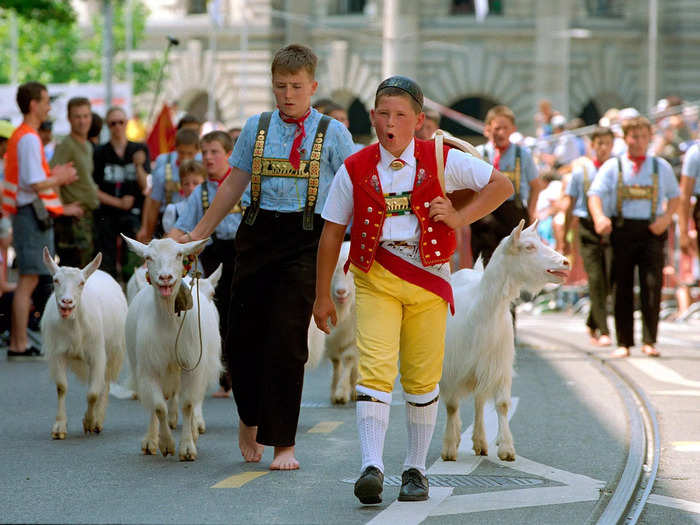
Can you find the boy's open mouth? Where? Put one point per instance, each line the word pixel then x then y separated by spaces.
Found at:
pixel 390 136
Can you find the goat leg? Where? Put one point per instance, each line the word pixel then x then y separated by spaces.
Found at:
pixel 479 444
pixel 58 371
pixel 453 430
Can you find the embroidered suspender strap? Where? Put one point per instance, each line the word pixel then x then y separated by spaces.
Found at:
pixel 256 171
pixel 586 186
pixel 440 161
pixel 170 185
pixel 654 188
pixel 314 173
pixel 205 204
pixel 637 192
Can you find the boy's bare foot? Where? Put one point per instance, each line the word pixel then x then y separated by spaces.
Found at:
pixel 620 352
pixel 251 450
pixel 604 340
pixel 650 351
pixel 284 459
pixel 221 393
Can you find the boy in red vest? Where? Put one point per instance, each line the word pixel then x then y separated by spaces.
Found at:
pixel 401 242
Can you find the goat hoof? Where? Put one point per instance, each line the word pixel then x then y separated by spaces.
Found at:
pixel 58 435
pixel 339 400
pixel 188 453
pixel 507 454
pixel 58 431
pixel 149 448
pixel 449 453
pixel 167 447
pixel 480 451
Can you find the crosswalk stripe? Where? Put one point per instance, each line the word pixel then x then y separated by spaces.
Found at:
pixel 686 446
pixel 324 427
pixel 237 481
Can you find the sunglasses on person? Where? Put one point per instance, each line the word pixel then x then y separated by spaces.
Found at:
pixel 116 123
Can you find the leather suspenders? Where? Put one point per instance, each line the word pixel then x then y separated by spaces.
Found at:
pixel 638 192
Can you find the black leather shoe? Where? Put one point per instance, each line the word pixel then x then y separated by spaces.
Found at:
pixel 369 487
pixel 414 486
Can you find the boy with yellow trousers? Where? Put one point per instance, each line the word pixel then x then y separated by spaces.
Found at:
pixel 401 241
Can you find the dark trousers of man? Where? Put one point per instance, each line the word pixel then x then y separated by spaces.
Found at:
pixel 596 253
pixel 74 240
pixel 108 226
pixel 635 246
pixel 488 231
pixel 273 294
pixel 221 252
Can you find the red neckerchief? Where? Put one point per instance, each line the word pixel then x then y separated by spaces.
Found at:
pixel 222 179
pixel 637 162
pixel 597 163
pixel 299 134
pixel 497 155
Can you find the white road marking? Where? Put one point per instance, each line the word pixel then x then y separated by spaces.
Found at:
pixel 688 393
pixel 686 446
pixel 674 503
pixel 412 512
pixel 662 373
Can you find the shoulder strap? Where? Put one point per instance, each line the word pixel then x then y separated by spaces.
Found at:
pixel 439 159
pixel 655 188
pixel 255 176
pixel 314 173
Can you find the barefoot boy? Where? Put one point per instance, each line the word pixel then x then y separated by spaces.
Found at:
pixel 401 242
pixel 289 157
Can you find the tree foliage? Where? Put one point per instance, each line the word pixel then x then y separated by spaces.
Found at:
pixel 58 10
pixel 57 50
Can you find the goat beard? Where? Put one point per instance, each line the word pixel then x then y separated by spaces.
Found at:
pixel 65 312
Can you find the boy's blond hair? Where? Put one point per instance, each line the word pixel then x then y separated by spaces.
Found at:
pixel 635 123
pixel 221 137
pixel 500 111
pixel 192 168
pixel 294 58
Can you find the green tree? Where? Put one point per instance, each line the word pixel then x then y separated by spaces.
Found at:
pixel 54 49
pixel 59 10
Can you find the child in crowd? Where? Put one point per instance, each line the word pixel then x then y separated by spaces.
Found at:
pixel 401 243
pixel 192 174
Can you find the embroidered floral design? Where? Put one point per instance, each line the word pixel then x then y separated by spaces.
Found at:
pixel 421 176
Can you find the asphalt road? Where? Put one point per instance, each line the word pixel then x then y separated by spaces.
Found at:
pixel 568 422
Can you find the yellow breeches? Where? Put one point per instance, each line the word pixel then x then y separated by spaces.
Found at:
pixel 397 320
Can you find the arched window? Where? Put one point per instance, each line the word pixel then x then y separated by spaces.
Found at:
pixel 590 114
pixel 360 125
pixel 476 107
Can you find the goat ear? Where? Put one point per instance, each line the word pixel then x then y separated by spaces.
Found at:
pixel 92 265
pixel 533 226
pixel 49 262
pixel 215 276
pixel 515 234
pixel 194 247
pixel 135 246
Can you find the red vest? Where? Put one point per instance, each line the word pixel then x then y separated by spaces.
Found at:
pixel 437 240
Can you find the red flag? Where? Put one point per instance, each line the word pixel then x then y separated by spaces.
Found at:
pixel 162 136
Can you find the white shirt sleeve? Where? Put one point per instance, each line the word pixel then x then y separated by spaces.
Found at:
pixel 463 171
pixel 29 155
pixel 338 208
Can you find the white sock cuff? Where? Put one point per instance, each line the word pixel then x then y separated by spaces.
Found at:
pixel 422 398
pixel 384 397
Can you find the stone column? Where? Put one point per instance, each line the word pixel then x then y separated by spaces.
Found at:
pixel 400 38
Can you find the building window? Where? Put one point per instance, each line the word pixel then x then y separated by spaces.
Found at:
pixel 468 7
pixel 605 8
pixel 196 7
pixel 347 7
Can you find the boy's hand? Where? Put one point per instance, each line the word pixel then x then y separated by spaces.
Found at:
pixel 323 309
pixel 441 210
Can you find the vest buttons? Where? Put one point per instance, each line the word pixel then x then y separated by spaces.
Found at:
pixel 433 241
pixel 430 229
pixel 362 258
pixel 362 246
pixel 426 204
pixel 369 209
pixel 437 253
pixel 366 221
pixel 364 234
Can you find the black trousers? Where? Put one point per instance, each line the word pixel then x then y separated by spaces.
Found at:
pixel 596 253
pixel 634 246
pixel 273 294
pixel 488 231
pixel 222 252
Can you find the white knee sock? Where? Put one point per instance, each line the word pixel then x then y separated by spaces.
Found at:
pixel 372 422
pixel 420 422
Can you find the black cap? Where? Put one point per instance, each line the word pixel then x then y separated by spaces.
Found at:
pixel 405 84
pixel 47 125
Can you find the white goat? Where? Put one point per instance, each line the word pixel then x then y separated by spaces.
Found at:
pixel 83 330
pixel 479 345
pixel 339 346
pixel 151 332
pixel 137 281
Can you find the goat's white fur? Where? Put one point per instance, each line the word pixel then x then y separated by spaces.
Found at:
pixel 339 346
pixel 82 329
pixel 479 345
pixel 151 331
